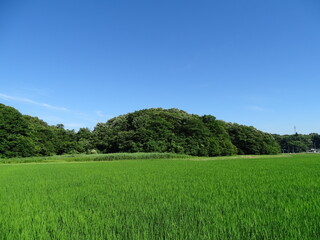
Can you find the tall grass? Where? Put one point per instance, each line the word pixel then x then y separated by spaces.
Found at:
pixel 94 157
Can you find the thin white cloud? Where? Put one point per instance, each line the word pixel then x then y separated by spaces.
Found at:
pixel 256 109
pixel 29 101
pixel 102 115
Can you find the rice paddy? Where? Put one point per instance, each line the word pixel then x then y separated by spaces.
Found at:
pixel 214 198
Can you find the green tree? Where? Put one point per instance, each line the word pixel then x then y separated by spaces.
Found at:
pixel 164 130
pixel 84 138
pixel 296 143
pixel 249 140
pixel 15 134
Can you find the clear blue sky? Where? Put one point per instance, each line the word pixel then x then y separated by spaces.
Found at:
pixel 79 62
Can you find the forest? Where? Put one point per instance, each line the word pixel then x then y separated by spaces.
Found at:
pixel 148 130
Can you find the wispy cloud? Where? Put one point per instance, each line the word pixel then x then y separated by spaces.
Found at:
pixel 102 115
pixel 29 101
pixel 256 109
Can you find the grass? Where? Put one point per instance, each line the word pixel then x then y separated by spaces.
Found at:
pixel 94 157
pixel 243 198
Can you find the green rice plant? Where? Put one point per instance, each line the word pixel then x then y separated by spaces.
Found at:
pixel 225 198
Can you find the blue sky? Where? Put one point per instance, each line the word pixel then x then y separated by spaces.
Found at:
pixel 80 62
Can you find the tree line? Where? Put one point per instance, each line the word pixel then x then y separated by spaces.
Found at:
pixel 148 130
pixel 296 143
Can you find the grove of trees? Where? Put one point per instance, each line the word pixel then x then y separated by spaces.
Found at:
pixel 148 130
pixel 296 143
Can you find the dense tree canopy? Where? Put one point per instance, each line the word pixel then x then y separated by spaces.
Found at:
pixel 15 134
pixel 159 130
pixel 24 136
pixel 174 130
pixel 148 130
pixel 297 142
pixel 249 140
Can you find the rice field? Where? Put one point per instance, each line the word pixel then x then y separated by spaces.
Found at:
pixel 274 197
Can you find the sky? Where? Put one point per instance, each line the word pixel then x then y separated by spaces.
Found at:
pixel 78 62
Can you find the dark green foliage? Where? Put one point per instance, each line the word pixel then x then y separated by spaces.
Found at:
pixel 15 134
pixel 26 136
pixel 149 130
pixel 160 130
pixel 315 139
pixel 249 140
pixel 43 135
pixel 297 142
pixel 84 140
pixel 65 140
pixel 54 139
